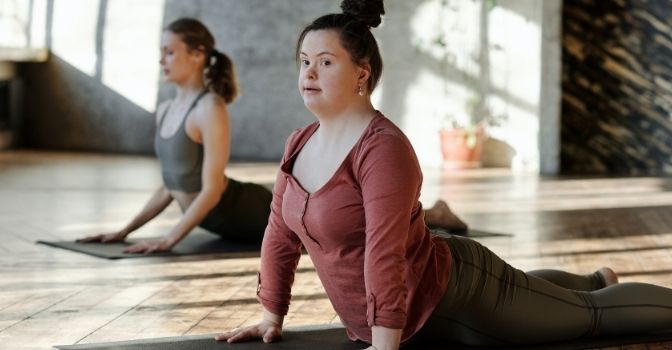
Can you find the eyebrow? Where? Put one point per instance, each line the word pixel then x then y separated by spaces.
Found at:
pixel 319 54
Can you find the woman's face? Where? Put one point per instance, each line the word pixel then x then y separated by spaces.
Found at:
pixel 178 63
pixel 328 79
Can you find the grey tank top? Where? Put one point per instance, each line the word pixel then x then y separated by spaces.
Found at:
pixel 181 158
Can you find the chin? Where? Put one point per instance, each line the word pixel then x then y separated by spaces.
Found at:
pixel 316 111
pixel 311 105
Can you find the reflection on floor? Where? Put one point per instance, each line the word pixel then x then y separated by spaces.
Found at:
pixel 50 296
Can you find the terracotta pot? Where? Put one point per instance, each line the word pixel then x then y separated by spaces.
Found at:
pixel 462 148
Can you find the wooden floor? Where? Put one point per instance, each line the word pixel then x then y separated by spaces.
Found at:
pixel 50 296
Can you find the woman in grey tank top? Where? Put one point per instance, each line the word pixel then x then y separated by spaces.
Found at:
pixel 192 143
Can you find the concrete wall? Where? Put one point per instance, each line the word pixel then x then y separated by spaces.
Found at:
pixel 100 88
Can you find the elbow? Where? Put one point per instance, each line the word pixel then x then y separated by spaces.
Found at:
pixel 211 194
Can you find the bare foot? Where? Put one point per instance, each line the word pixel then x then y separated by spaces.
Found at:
pixel 610 277
pixel 441 216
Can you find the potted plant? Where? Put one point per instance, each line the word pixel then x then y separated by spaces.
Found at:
pixel 463 132
pixel 462 139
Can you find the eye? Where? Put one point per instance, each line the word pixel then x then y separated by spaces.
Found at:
pixel 305 62
pixel 326 62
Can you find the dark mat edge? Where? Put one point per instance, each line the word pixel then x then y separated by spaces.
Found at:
pixel 162 340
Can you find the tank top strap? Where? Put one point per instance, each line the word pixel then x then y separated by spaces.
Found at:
pixel 191 107
pixel 163 117
pixel 193 104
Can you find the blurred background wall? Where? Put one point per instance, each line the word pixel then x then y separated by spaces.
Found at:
pixel 100 85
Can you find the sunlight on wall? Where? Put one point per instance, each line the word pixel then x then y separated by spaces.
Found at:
pixel 426 108
pixel 74 33
pixel 13 17
pixel 432 101
pixel 515 73
pixel 130 41
pixel 131 50
pixel 457 56
pixel 509 77
pixel 38 23
pixel 516 67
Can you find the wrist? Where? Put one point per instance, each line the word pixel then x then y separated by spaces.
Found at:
pixel 382 347
pixel 170 242
pixel 384 338
pixel 272 318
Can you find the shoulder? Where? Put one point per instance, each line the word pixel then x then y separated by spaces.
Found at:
pixel 384 134
pixel 211 109
pixel 213 103
pixel 385 144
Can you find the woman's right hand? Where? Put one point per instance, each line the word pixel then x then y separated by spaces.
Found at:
pixel 104 238
pixel 266 330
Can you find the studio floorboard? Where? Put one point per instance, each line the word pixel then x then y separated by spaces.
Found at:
pixel 51 296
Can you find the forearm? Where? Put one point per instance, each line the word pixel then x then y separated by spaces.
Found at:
pixel 194 215
pixel 385 338
pixel 157 204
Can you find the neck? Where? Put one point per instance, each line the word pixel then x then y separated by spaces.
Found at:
pixel 348 114
pixel 187 90
pixel 348 120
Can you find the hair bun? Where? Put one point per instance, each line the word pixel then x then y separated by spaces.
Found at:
pixel 368 12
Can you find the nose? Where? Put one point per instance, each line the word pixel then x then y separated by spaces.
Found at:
pixel 311 73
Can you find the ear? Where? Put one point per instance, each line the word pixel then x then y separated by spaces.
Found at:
pixel 198 54
pixel 364 73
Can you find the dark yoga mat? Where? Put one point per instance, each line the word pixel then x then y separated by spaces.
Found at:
pixel 330 338
pixel 198 242
pixel 202 242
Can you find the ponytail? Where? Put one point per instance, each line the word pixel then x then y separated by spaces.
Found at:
pixel 220 76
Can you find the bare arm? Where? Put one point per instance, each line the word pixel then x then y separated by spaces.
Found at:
pixel 385 338
pixel 213 127
pixel 157 204
pixel 159 201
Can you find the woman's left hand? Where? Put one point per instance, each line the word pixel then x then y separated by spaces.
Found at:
pixel 148 247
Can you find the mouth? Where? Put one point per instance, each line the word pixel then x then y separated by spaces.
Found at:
pixel 311 90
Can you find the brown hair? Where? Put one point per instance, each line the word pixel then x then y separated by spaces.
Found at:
pixel 219 71
pixel 354 28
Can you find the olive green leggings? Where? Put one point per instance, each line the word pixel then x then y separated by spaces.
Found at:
pixel 488 303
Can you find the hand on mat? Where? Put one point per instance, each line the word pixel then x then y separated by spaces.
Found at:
pixel 148 247
pixel 104 238
pixel 265 330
